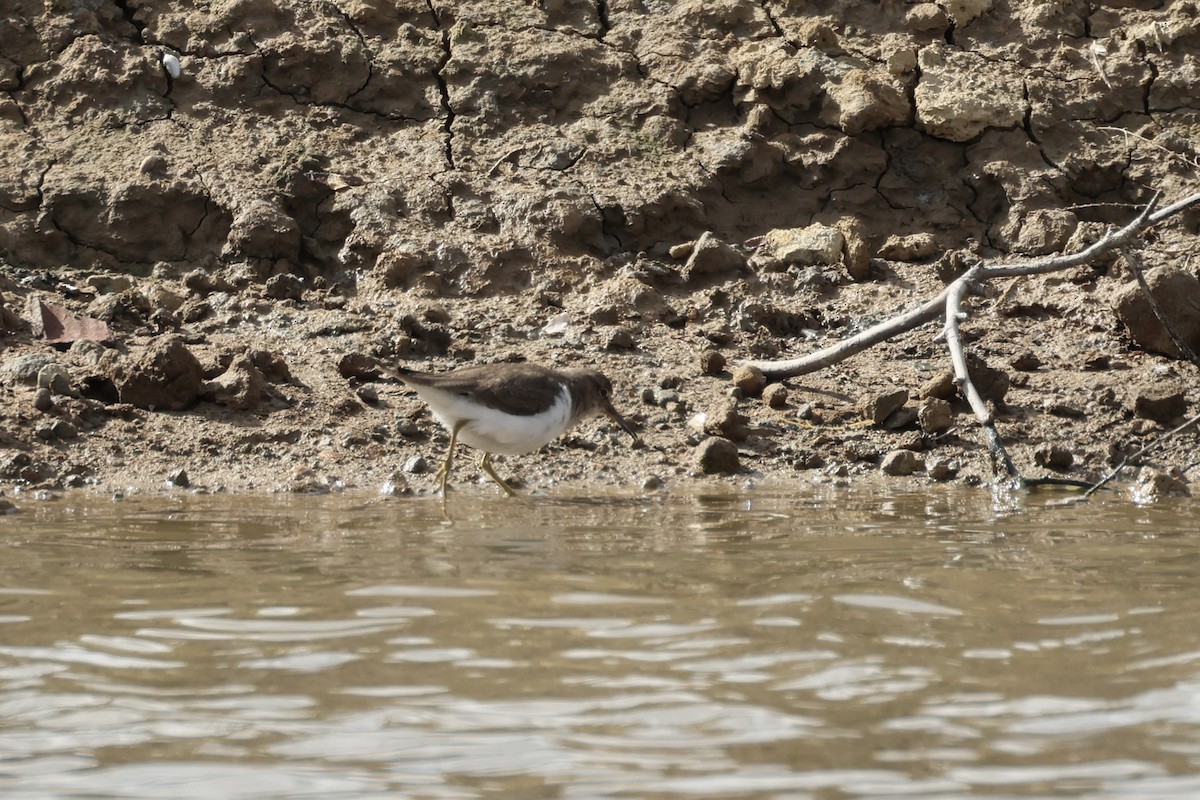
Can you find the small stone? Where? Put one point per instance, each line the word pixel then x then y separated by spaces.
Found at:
pixel 750 380
pixel 934 415
pixel 179 477
pixel 652 482
pixel 367 394
pixel 415 465
pixel 902 462
pixel 1161 402
pixel 940 468
pixel 712 362
pixel 1026 362
pixel 1153 484
pixel 715 456
pixel 724 420
pixel 620 339
pixel 55 378
pixel 43 400
pixel 285 287
pixel 25 368
pixel 1053 456
pixel 395 486
pixel 775 395
pixel 409 429
pixel 875 408
pixel 914 247
pixel 901 418
pixel 359 366
pixel 711 256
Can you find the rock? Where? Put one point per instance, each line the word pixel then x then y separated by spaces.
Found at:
pixel 1163 402
pixel 902 462
pixel 750 380
pixel 43 400
pixel 56 324
pixel 55 378
pixel 934 415
pixel 1177 292
pixel 284 287
pixel 941 469
pixel 775 395
pixel 21 467
pixel 924 17
pixel 368 394
pixel 359 366
pixel 1026 361
pixel 164 376
pixel 273 366
pixel 724 420
pixel 1153 484
pixel 620 339
pixel 875 408
pixel 240 387
pixel 1046 231
pixel 940 386
pixel 652 483
pixel 712 362
pixel 856 255
pixel 1053 456
pixel 914 247
pixel 179 477
pixel 961 93
pixel 59 429
pixel 814 244
pixel 900 419
pixel 716 456
pixel 415 465
pixel 26 367
pixel 711 256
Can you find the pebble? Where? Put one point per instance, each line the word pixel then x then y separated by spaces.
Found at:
pixel 902 462
pixel 43 401
pixel 875 408
pixel 716 455
pixel 55 378
pixel 415 465
pixel 25 368
pixel 726 421
pixel 1053 456
pixel 179 477
pixel 367 394
pixel 652 482
pixel 940 468
pixel 620 339
pixel 775 395
pixel 750 380
pixel 934 415
pixel 712 362
pixel 1154 483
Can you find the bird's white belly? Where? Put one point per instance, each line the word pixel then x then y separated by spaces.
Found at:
pixel 494 431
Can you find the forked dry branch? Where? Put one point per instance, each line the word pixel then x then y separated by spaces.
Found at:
pixel 949 305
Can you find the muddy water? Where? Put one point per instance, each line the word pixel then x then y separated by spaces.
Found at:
pixel 821 644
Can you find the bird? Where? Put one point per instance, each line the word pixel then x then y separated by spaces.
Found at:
pixel 510 408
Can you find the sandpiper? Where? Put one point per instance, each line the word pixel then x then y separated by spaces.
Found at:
pixel 510 408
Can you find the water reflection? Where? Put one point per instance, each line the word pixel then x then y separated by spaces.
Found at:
pixel 780 644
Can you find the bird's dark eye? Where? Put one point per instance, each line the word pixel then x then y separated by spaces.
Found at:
pixel 604 392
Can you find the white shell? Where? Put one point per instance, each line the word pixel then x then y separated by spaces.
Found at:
pixel 171 65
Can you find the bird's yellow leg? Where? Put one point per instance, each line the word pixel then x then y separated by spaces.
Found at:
pixel 443 472
pixel 485 464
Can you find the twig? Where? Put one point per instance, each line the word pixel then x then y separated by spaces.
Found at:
pixel 962 375
pixel 1127 460
pixel 949 303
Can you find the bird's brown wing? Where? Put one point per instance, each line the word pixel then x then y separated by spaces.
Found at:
pixel 520 389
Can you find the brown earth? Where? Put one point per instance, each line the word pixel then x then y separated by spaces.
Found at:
pixel 329 186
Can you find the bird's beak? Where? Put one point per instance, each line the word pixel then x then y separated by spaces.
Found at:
pixel 612 414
